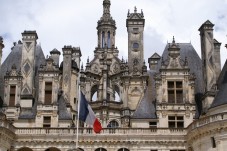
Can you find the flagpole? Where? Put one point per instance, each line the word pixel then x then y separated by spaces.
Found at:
pixel 78 111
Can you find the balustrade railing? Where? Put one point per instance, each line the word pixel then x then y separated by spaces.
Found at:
pixel 105 131
pixel 7 125
pixel 207 120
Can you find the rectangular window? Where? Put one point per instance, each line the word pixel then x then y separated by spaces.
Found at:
pixel 46 121
pixel 175 92
pixel 152 124
pixel 48 93
pixel 135 29
pixel 12 95
pixel 213 142
pixel 176 121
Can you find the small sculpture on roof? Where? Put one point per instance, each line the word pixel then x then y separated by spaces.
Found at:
pixel 135 10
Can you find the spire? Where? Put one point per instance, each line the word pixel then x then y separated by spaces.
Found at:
pixel 173 40
pixel 174 50
pixel 106 8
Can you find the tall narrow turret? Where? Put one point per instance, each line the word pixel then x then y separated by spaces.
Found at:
pixel 106 28
pixel 135 26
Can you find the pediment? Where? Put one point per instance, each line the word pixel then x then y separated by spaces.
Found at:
pixel 135 16
pixel 155 55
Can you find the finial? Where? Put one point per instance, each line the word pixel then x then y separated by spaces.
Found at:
pixel 142 12
pixel 82 67
pixel 88 59
pixel 173 40
pixel 128 12
pixel 135 10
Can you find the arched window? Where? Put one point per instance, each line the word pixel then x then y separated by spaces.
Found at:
pixel 108 40
pixel 25 149
pixel 52 149
pixel 80 149
pixel 94 97
pixel 123 149
pixel 103 39
pixel 113 124
pixel 100 149
pixel 94 93
pixel 135 45
pixel 116 97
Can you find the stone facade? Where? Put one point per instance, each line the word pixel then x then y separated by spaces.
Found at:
pixel 179 104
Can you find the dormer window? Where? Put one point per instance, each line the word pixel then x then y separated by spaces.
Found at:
pixel 135 30
pixel 12 95
pixel 48 93
pixel 175 92
pixel 46 121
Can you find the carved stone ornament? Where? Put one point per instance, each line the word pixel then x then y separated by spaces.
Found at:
pixel 2 116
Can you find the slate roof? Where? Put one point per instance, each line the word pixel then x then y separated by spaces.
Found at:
pixel 221 96
pixel 15 58
pixel 62 110
pixel 146 107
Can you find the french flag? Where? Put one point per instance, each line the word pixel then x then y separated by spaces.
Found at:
pixel 87 115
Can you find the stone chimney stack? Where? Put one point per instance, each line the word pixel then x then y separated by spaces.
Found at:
pixel 67 72
pixel 55 54
pixel 76 55
pixel 210 52
pixel 28 67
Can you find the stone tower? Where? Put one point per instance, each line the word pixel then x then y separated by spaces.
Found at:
pixel 135 26
pixel 28 67
pixel 1 47
pixel 210 50
pixel 67 72
pixel 106 27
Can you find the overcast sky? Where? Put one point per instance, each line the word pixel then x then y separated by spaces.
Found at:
pixel 73 22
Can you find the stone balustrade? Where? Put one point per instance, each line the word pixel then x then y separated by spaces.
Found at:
pixel 207 120
pixel 105 131
pixel 7 125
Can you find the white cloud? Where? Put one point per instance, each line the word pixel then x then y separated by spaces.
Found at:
pixel 70 22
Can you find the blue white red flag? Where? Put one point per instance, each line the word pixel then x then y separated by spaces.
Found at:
pixel 87 115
